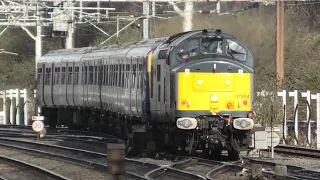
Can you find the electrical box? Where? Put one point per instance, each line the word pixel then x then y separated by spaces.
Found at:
pixel 259 140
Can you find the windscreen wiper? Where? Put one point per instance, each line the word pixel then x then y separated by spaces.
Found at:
pixel 228 51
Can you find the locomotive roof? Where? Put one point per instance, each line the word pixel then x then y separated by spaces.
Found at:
pixel 134 49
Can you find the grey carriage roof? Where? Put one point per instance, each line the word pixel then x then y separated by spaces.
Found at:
pixel 135 49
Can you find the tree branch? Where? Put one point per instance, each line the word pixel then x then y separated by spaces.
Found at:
pixel 176 8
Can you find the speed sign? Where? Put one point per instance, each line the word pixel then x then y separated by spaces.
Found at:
pixel 37 126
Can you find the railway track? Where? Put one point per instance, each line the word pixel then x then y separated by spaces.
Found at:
pixel 189 168
pixel 134 169
pixel 58 131
pixel 295 172
pixel 298 151
pixel 11 169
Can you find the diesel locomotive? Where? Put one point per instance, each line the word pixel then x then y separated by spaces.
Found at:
pixel 192 91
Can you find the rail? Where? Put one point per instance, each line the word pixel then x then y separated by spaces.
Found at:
pixel 14 163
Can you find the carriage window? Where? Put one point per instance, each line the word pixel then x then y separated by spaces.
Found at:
pixel 189 49
pixel 90 81
pixel 47 77
pixel 133 84
pixel 39 77
pixel 112 76
pixel 140 67
pixel 106 75
pixel 82 78
pixel 116 75
pixel 141 77
pixel 127 75
pixel 158 72
pixel 123 74
pixel 211 45
pixel 103 75
pixel 120 75
pixel 63 75
pixel 100 71
pixel 56 76
pixel 95 75
pixel 76 76
pixel 236 51
pixel 85 77
pixel 69 75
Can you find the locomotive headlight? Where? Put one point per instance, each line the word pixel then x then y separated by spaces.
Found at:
pixel 214 98
pixel 227 82
pixel 243 123
pixel 186 123
pixel 199 82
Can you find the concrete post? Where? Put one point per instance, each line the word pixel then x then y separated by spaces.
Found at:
pixel 281 172
pixel 12 107
pixel 18 107
pixel 256 171
pixel 115 162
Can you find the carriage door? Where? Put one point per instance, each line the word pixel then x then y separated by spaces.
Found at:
pixel 40 83
pixel 85 82
pixel 56 83
pixel 69 70
pixel 160 87
pixel 48 84
pixel 63 86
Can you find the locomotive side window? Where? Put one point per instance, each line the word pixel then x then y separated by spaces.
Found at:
pixel 69 75
pixel 189 49
pixel 90 81
pixel 211 45
pixel 63 75
pixel 76 76
pixel 39 76
pixel 235 50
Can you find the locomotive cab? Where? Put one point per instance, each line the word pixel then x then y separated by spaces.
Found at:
pixel 213 90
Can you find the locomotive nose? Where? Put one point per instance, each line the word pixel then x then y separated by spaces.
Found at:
pixel 211 87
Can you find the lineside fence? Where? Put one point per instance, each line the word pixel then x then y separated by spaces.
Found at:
pixel 298 116
pixel 15 106
pixel 298 113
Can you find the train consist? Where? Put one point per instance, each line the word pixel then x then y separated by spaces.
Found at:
pixel 192 91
